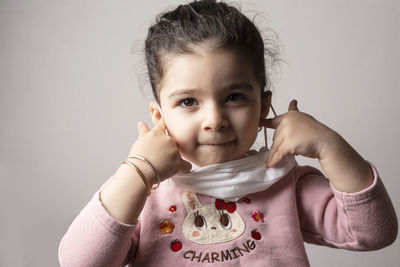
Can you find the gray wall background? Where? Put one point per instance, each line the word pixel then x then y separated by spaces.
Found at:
pixel 70 101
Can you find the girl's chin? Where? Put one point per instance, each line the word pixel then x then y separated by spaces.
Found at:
pixel 211 158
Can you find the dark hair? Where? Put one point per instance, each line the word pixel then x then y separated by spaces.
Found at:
pixel 180 30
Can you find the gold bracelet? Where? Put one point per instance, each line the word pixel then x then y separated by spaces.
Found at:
pixel 140 174
pixel 151 166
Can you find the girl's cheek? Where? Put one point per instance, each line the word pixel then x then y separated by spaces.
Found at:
pixel 196 233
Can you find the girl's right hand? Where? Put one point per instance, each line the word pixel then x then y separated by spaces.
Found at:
pixel 160 149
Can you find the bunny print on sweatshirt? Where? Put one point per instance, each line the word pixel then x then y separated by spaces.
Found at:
pixel 211 224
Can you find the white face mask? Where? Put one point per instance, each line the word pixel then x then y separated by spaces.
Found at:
pixel 235 179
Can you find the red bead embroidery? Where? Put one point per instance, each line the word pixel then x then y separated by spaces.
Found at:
pixel 172 208
pixel 255 234
pixel 176 245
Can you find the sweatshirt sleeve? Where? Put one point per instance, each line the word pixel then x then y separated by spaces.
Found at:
pixel 364 220
pixel 95 238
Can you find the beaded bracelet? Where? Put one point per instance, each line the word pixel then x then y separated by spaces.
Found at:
pixel 151 166
pixel 140 174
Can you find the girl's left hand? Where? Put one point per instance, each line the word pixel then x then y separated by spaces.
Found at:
pixel 296 133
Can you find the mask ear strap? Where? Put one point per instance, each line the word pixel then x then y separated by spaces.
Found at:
pixel 265 129
pixel 273 110
pixel 159 109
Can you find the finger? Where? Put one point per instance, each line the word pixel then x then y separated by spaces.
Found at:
pixel 279 154
pixel 161 125
pixel 142 128
pixel 273 150
pixel 293 105
pixel 276 137
pixel 271 123
pixel 277 134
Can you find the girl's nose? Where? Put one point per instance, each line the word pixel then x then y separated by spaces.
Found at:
pixel 215 119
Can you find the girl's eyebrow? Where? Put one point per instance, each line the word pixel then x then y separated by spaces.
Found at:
pixel 240 85
pixel 183 92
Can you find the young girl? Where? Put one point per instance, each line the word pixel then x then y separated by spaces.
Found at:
pixel 192 192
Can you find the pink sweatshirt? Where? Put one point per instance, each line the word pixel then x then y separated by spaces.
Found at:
pixel 268 228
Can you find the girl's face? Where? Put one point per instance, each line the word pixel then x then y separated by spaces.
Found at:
pixel 211 104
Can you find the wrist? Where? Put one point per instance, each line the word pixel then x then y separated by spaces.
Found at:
pixel 331 143
pixel 146 170
pixel 124 195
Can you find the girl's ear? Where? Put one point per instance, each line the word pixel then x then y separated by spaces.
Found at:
pixel 265 103
pixel 155 112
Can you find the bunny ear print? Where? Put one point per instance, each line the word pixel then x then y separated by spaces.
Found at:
pixel 191 201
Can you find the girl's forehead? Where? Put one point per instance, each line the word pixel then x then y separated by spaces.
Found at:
pixel 218 69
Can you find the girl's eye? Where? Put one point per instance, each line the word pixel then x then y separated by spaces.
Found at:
pixel 236 97
pixel 187 102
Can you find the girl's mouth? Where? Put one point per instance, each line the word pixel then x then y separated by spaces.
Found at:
pixel 221 143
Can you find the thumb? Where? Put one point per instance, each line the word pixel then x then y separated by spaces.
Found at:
pixel 293 105
pixel 142 128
